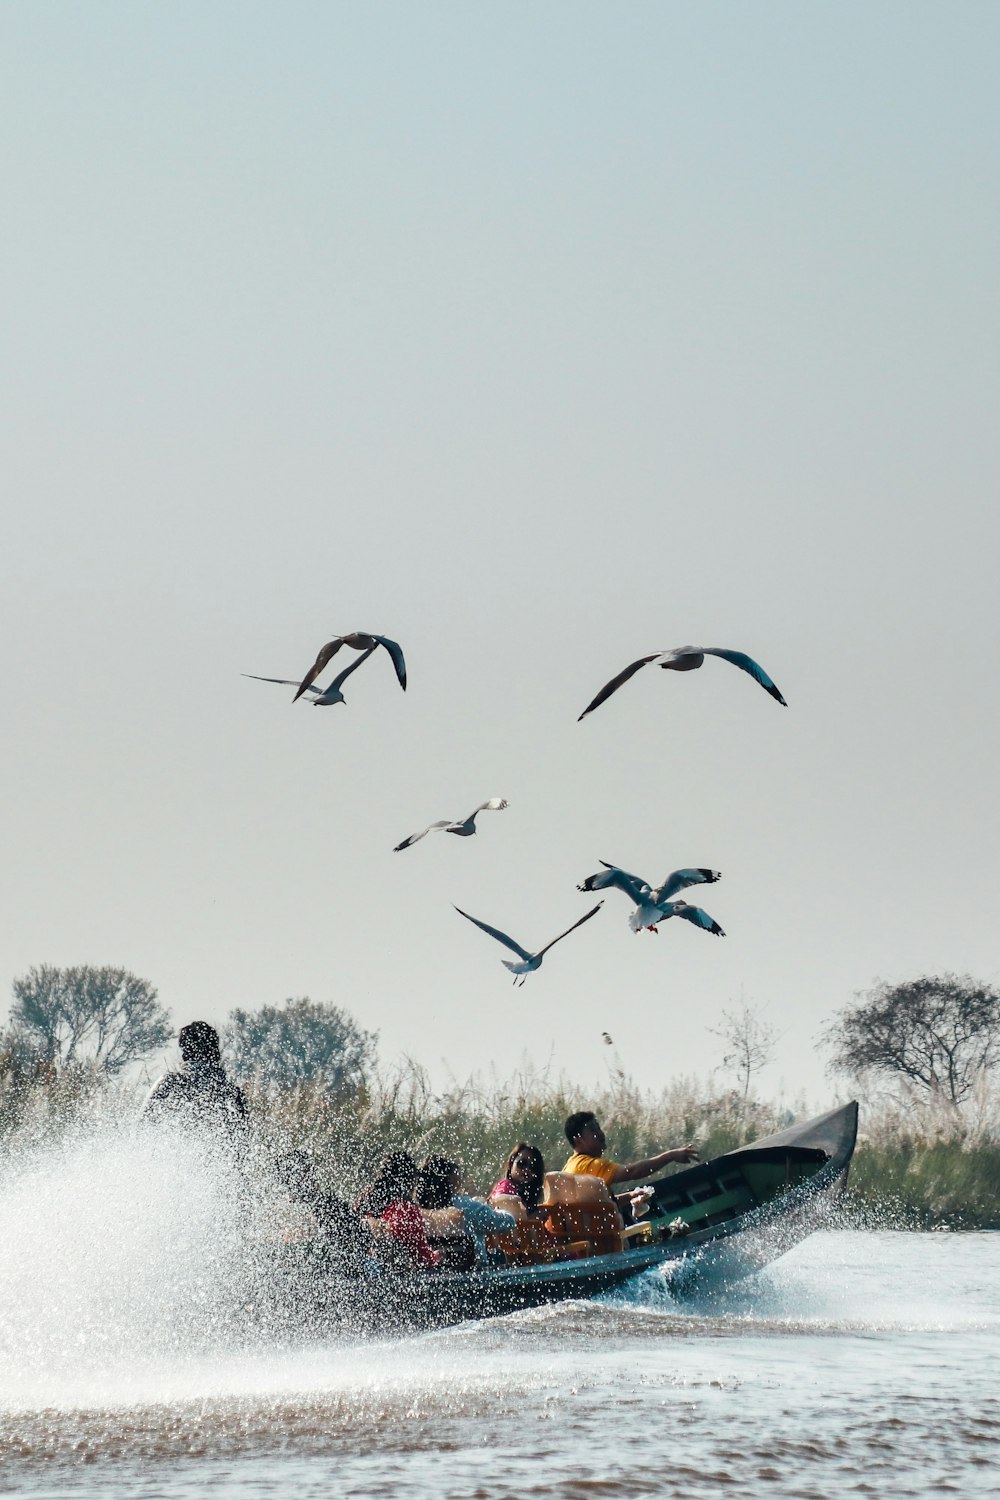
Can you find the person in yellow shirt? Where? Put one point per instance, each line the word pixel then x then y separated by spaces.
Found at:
pixel 584 1133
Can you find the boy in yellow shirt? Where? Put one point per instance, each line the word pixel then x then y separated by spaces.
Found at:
pixel 584 1133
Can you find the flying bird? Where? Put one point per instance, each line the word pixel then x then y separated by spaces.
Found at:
pixel 685 659
pixel 322 697
pixel 530 961
pixel 656 904
pixel 464 827
pixel 358 640
pixel 607 1040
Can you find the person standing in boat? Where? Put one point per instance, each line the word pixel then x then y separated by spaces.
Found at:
pixel 588 1141
pixel 199 1094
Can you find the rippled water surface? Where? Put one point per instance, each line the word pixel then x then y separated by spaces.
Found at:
pixel 859 1364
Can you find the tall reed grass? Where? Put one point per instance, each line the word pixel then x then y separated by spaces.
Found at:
pixel 919 1164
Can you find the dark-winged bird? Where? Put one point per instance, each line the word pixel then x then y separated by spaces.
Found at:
pixel 685 659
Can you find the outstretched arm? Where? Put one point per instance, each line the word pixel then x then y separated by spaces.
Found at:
pixel 634 1170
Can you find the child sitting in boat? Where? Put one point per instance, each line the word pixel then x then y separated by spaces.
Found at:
pixel 456 1224
pixel 395 1221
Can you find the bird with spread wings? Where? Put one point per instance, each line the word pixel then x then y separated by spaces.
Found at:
pixel 685 659
pixel 529 961
pixel 656 904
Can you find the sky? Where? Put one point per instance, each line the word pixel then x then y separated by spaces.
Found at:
pixel 536 338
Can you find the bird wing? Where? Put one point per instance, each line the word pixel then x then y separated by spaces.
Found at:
pixel 395 651
pixel 611 875
pixel 698 916
pixel 616 682
pixel 283 681
pixel 441 823
pixel 342 677
pixel 494 932
pixel 747 663
pixel 495 804
pixel 327 653
pixel 679 880
pixel 586 918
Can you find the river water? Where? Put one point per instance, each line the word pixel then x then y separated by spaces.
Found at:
pixel 861 1363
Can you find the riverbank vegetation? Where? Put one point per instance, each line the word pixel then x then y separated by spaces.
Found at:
pixel 919 1164
pixel 928 1150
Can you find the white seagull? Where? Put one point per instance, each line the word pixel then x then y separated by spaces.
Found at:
pixel 322 698
pixel 530 961
pixel 464 827
pixel 656 904
pixel 685 659
pixel 358 640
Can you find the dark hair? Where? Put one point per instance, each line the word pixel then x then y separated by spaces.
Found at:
pixel 530 1193
pixel 577 1124
pixel 199 1042
pixel 434 1188
pixel 396 1179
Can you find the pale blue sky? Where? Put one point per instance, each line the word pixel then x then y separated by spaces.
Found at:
pixel 536 338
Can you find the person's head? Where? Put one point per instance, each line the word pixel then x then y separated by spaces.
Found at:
pixel 394 1183
pixel 199 1043
pixel 526 1170
pixel 439 1179
pixel 397 1177
pixel 584 1133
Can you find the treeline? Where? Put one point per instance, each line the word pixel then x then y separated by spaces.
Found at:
pixel 928 1153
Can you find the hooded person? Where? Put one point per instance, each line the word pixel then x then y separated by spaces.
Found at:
pixel 199 1094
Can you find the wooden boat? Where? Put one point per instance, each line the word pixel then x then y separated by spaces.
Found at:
pixel 722 1219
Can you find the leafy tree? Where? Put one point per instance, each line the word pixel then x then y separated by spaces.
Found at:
pixel 302 1041
pixel 105 1016
pixel 751 1043
pixel 942 1032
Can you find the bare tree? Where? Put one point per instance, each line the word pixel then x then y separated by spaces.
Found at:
pixel 750 1040
pixel 942 1032
pixel 106 1016
pixel 301 1041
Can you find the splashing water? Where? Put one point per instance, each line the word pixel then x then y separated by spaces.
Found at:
pixel 121 1255
pixel 133 1291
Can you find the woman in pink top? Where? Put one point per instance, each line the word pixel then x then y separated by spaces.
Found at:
pixel 523 1180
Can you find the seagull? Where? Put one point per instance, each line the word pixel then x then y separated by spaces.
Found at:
pixel 464 827
pixel 322 698
pixel 531 961
pixel 685 659
pixel 358 640
pixel 656 905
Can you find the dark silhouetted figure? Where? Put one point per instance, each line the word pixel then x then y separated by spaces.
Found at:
pixel 199 1094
